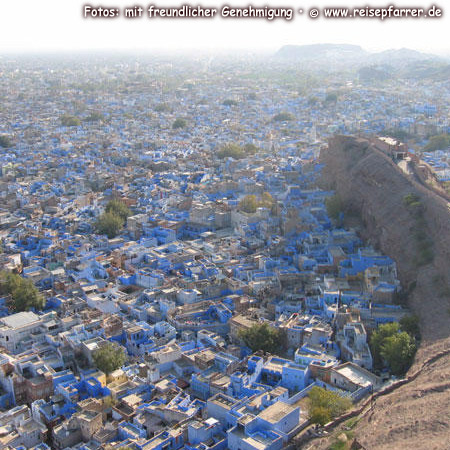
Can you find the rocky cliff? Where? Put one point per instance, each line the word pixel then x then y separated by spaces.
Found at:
pixel 412 225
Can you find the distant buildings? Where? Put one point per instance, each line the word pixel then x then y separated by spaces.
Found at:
pixel 190 269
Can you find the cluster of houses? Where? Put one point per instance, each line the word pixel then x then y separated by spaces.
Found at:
pixel 439 160
pixel 188 273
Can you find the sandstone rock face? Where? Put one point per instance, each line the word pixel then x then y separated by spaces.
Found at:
pixel 374 189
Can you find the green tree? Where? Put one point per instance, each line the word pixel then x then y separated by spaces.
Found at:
pixel 377 340
pixel 5 141
pixel 283 117
pixel 8 282
pixel 230 102
pixel 68 120
pixel 162 107
pixel 250 149
pixel 331 97
pixel 267 200
pixel 109 224
pixel 118 208
pixel 94 116
pixel 399 134
pixel 334 206
pixel 412 201
pixel 249 204
pixel 326 405
pixel 438 142
pixel 262 337
pixel 109 357
pixel 410 324
pixel 231 150
pixel 179 123
pixel 26 297
pixel 23 292
pixel 320 415
pixel 398 351
pixel 396 348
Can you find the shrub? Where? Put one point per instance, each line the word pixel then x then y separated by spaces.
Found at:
pixel 397 348
pixel 23 292
pixel 68 120
pixel 109 224
pixel 283 117
pixel 326 405
pixel 109 357
pixel 5 141
pixel 262 337
pixel 179 123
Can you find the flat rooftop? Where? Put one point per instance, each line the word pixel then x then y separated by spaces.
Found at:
pixel 275 412
pixel 20 319
pixel 355 376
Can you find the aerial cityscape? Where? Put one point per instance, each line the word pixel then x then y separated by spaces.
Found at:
pixel 180 270
pixel 245 252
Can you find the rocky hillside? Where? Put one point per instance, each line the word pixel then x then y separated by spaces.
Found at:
pixel 412 225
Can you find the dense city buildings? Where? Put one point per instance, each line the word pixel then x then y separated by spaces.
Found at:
pixel 155 216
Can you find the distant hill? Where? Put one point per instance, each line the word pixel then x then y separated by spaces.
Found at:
pixel 400 56
pixel 319 51
pixel 376 66
pixel 433 70
pixel 375 73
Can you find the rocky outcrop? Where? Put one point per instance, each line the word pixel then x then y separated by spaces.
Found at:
pixel 401 217
pixel 411 224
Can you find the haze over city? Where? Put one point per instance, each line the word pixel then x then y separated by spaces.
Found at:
pixel 52 25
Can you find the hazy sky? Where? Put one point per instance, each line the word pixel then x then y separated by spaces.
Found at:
pixel 36 25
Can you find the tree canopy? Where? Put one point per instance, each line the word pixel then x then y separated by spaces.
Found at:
pixel 94 116
pixel 236 151
pixel 396 348
pixel 109 224
pixel 22 290
pixel 113 219
pixel 377 340
pixel 262 337
pixel 250 149
pixel 334 206
pixel 178 123
pixel 438 142
pixel 326 405
pixel 251 202
pixel 5 141
pixel 410 324
pixel 283 117
pixel 248 204
pixel 398 351
pixel 331 97
pixel 118 208
pixel 109 357
pixel 162 107
pixel 230 102
pixel 68 120
pixel 399 134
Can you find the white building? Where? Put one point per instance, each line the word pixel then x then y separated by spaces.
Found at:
pixel 17 328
